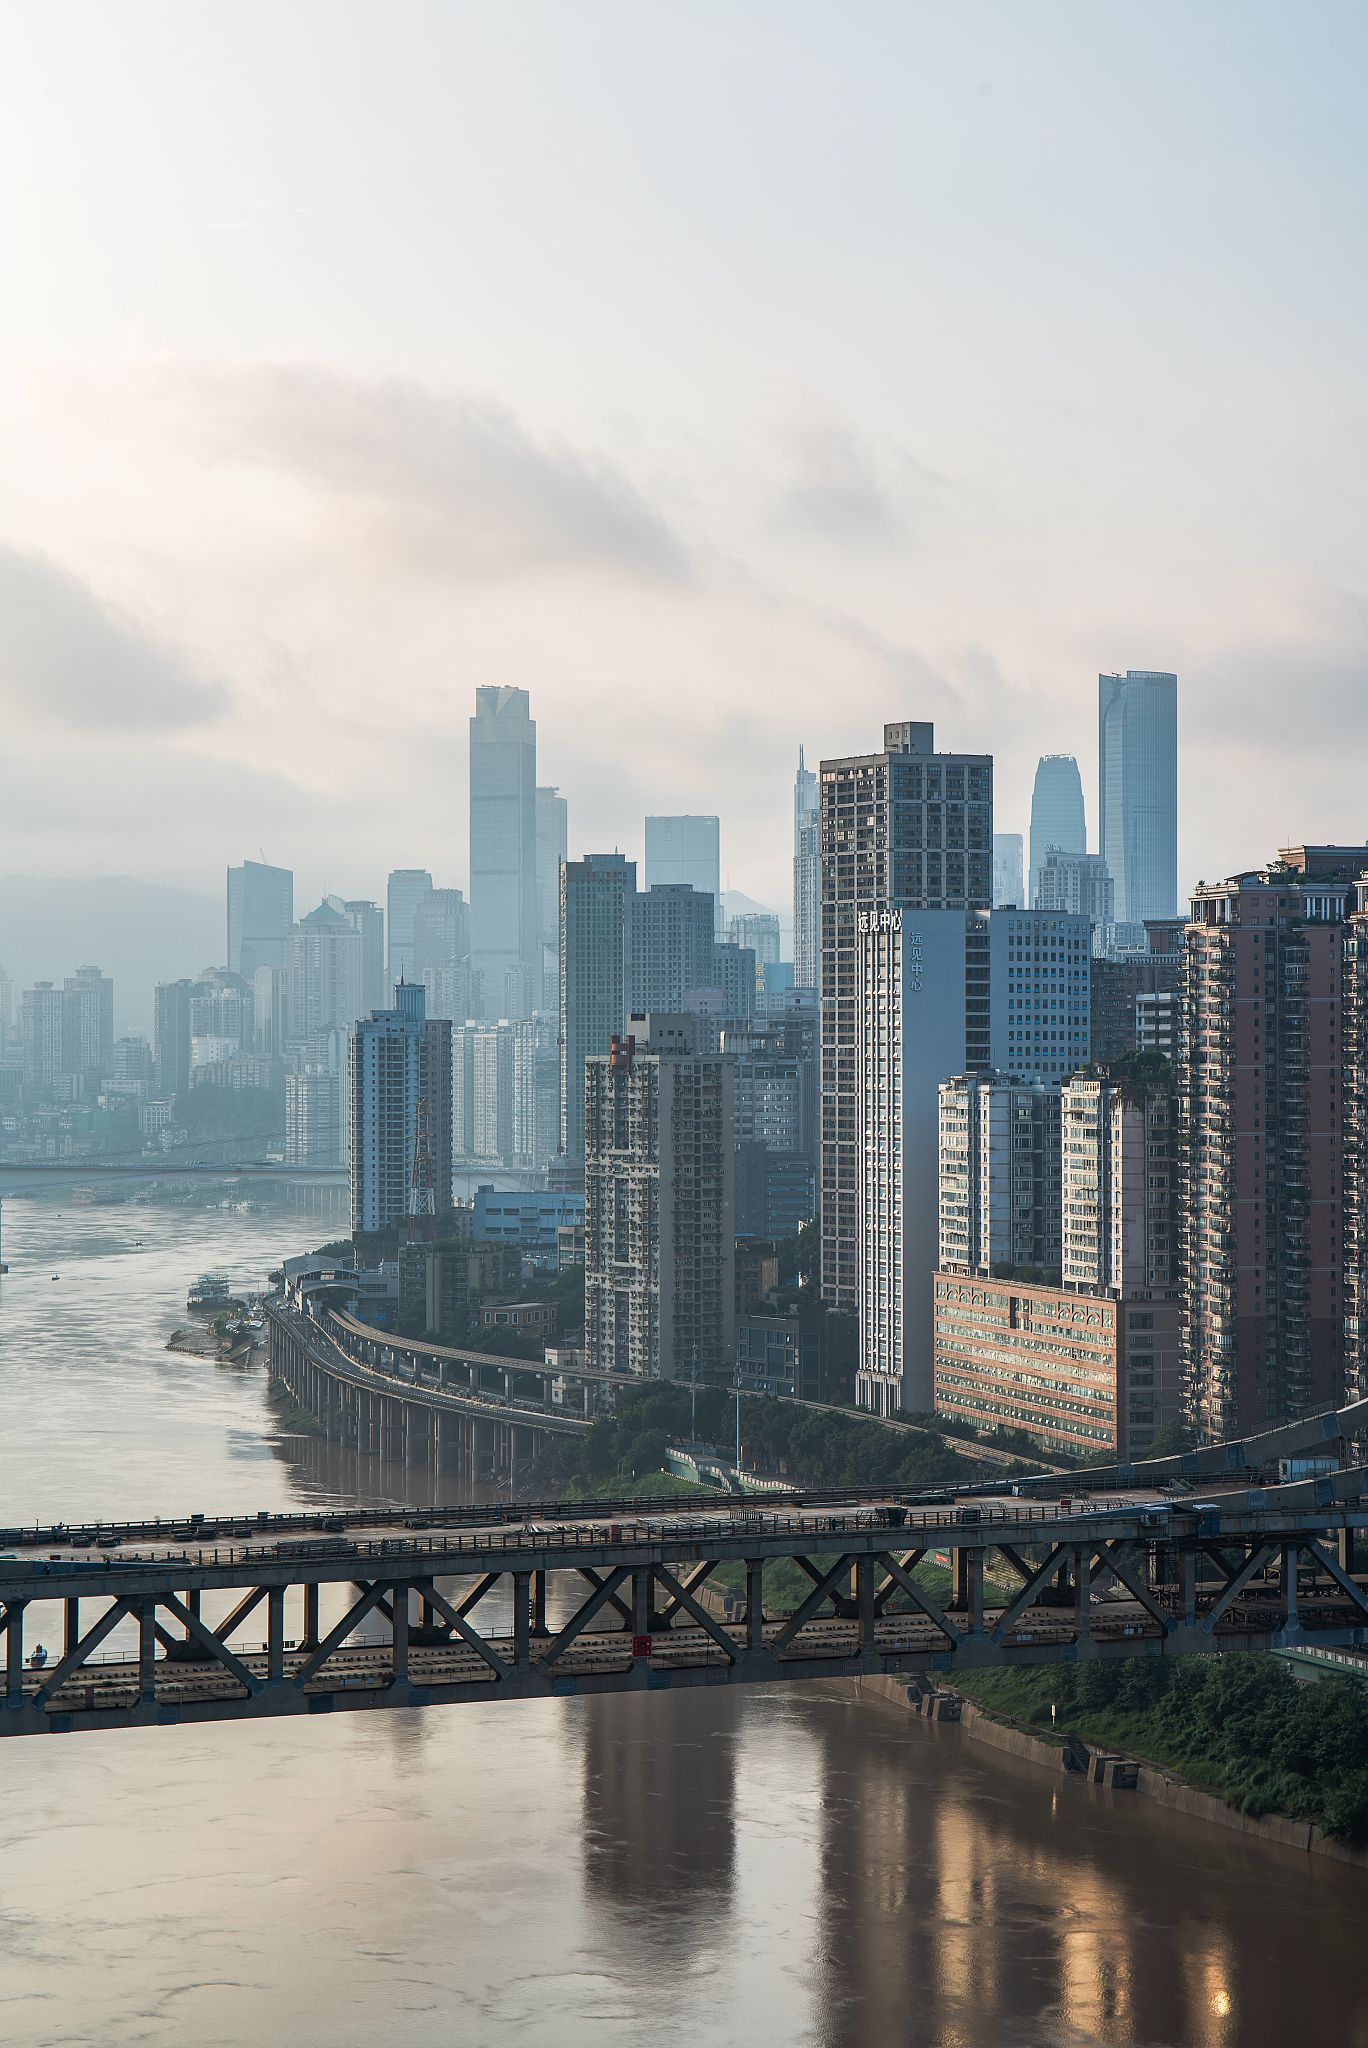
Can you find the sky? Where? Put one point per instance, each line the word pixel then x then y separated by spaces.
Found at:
pixel 730 376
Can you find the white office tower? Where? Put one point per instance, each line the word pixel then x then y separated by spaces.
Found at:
pixel 1078 882
pixel 260 913
pixel 921 1014
pixel 687 850
pixel 399 1116
pixel 406 889
pixel 1009 875
pixel 807 878
pixel 595 893
pixel 660 1269
pixel 553 846
pixel 1040 992
pixel 315 1123
pixel 1057 816
pixel 999 1177
pixel 505 916
pixel 1138 790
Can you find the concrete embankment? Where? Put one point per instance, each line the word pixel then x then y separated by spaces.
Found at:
pixel 1048 1751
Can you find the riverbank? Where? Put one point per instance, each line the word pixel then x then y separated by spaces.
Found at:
pixel 1152 1781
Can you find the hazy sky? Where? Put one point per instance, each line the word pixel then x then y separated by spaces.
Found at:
pixel 729 375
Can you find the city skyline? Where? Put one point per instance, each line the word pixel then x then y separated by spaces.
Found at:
pixel 292 505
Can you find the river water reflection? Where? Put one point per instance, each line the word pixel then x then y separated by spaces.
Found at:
pixel 721 1868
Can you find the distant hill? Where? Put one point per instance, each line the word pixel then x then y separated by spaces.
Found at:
pixel 140 932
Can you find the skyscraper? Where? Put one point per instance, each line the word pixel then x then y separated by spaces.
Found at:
pixel 686 849
pixel 1057 817
pixel 553 844
pixel 87 1023
pixel 593 944
pixel 1079 882
pixel 999 1175
pixel 407 888
pixel 41 1034
pixel 1262 1125
pixel 399 1090
pixel 659 1236
pixel 325 971
pixel 505 916
pixel 1138 791
pixel 260 913
pixel 441 933
pixel 669 946
pixel 369 920
pixel 171 1037
pixel 807 878
pixel 907 826
pixel 1009 880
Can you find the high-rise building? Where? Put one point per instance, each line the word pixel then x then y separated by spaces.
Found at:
pixel 130 1067
pixel 921 1014
pixel 1009 874
pixel 688 850
pixel 1077 882
pixel 315 1121
pixel 441 933
pixel 260 913
pixel 1039 992
pixel 669 941
pixel 87 1023
pixel 905 827
pixel 595 893
pixel 1057 816
pixel 759 930
pixel 369 920
pixel 270 1012
pixel 1354 1169
pixel 999 1180
pixel 1088 1364
pixel 325 968
pixel 222 1018
pixel 482 1092
pixel 1262 1126
pixel 553 846
pixel 775 1086
pixel 406 889
pixel 733 975
pixel 1121 985
pixel 1138 791
pixel 171 1037
pixel 807 878
pixel 659 1235
pixel 399 1114
pixel 41 1035
pixel 505 915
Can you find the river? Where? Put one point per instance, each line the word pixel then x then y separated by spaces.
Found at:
pixel 777 1866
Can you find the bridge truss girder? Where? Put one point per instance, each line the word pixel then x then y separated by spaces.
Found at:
pixel 642 1619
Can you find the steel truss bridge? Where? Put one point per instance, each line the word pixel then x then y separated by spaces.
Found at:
pixel 424 1607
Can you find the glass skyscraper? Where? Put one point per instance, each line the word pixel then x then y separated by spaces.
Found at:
pixel 505 910
pixel 1056 814
pixel 1138 790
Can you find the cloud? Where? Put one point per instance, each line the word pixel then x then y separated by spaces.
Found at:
pixel 839 488
pixel 450 482
pixel 68 657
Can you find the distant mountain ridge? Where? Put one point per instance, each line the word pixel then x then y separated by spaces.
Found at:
pixel 139 932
